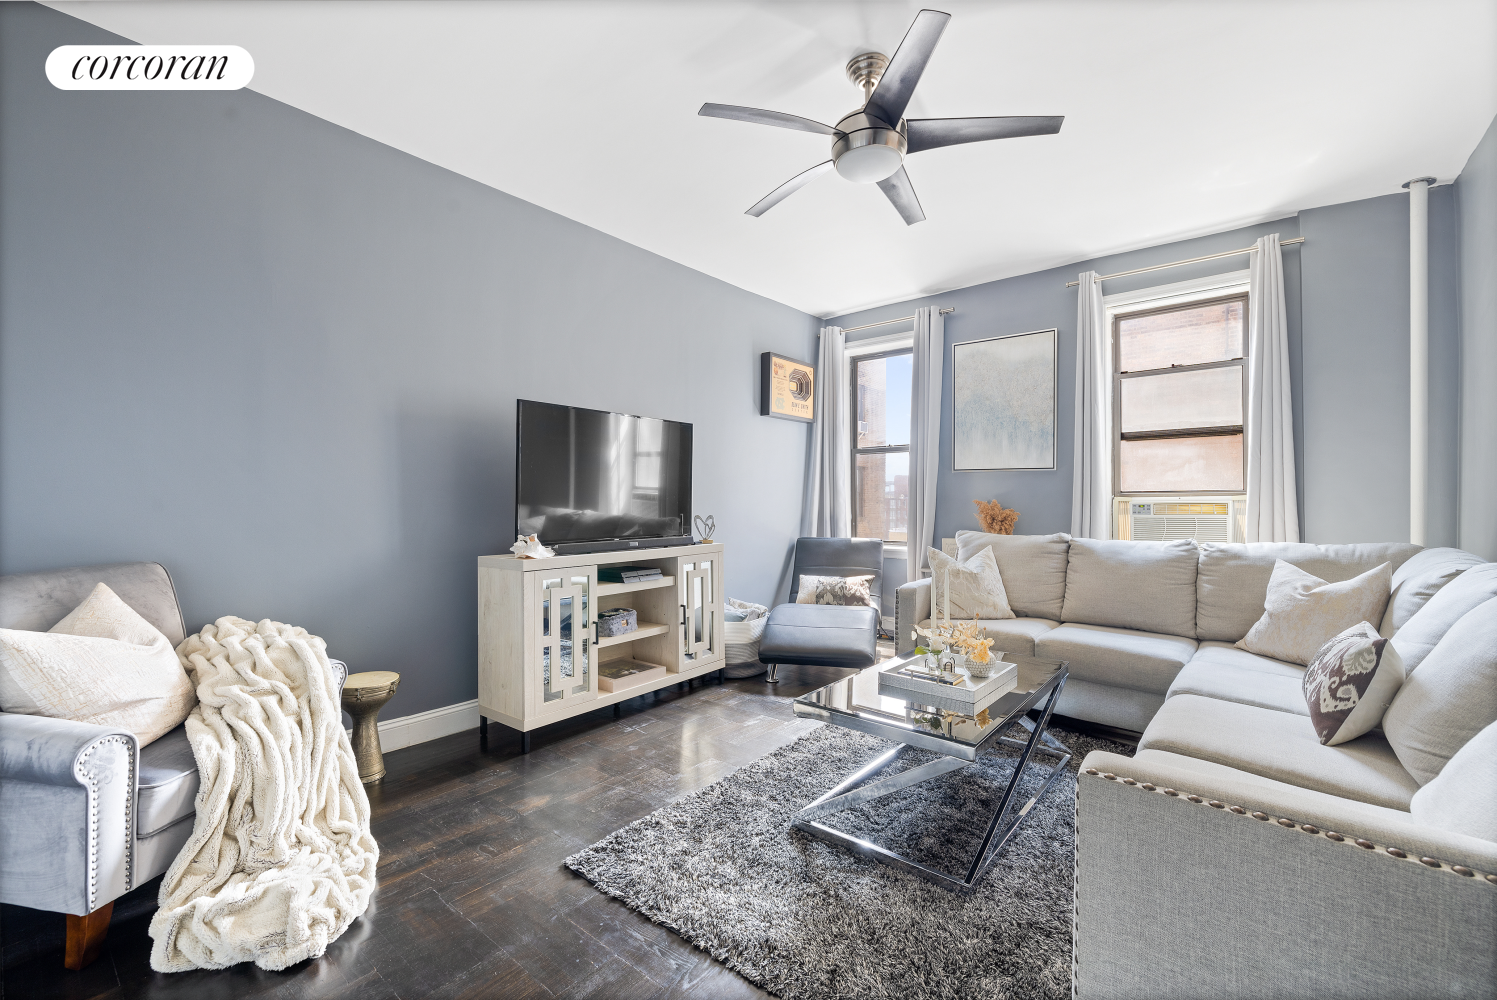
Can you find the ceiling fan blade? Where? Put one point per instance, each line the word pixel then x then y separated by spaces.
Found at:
pixel 761 117
pixel 901 192
pixel 892 95
pixel 932 133
pixel 788 188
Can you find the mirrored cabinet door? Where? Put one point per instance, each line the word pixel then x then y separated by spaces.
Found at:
pixel 562 618
pixel 701 609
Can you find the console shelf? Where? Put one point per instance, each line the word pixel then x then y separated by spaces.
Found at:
pixel 645 630
pixel 607 589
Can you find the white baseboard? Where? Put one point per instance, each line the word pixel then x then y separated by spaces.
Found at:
pixel 408 730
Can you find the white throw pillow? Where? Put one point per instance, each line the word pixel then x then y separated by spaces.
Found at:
pixel 1350 684
pixel 1302 612
pixel 103 664
pixel 1449 698
pixel 1463 796
pixel 976 587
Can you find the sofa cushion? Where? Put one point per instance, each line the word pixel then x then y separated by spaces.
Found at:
pixel 1012 635
pixel 1428 625
pixel 1450 698
pixel 168 783
pixel 1143 661
pixel 1419 579
pixel 1462 798
pixel 1281 746
pixel 1137 585
pixel 1227 673
pixel 1033 568
pixel 1303 612
pixel 1233 579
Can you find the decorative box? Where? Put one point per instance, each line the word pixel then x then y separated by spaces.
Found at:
pixel 968 696
pixel 617 621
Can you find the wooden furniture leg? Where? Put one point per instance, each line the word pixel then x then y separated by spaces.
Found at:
pixel 86 936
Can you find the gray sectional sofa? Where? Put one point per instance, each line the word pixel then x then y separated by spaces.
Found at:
pixel 1235 855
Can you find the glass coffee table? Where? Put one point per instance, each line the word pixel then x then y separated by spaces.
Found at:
pixel 855 703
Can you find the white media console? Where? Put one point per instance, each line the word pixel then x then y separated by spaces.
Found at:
pixel 540 659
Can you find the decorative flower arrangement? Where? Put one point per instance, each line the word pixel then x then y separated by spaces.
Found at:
pixel 968 637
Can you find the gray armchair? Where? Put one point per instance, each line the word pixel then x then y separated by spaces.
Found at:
pixel 826 634
pixel 86 815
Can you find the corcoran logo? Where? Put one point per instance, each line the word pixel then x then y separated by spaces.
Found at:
pixel 150 67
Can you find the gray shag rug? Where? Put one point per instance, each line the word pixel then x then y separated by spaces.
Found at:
pixel 806 920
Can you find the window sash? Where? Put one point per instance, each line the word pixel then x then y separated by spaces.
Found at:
pixel 855 450
pixel 1118 436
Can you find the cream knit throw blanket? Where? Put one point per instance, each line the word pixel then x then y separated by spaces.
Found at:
pixel 281 860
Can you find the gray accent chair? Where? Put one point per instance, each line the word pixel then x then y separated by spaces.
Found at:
pixel 826 634
pixel 86 815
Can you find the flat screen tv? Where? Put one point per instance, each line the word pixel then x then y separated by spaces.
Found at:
pixel 592 481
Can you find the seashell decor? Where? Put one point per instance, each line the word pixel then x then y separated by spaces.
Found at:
pixel 530 547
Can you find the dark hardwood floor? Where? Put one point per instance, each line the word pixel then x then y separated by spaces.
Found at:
pixel 473 900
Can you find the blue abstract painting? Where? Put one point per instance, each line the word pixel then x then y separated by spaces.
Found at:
pixel 1003 401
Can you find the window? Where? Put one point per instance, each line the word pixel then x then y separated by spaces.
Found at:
pixel 1179 396
pixel 881 444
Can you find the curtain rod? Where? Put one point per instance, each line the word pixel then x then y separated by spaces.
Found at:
pixel 902 319
pixel 1193 260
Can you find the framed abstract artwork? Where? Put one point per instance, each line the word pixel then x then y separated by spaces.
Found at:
pixel 1003 402
pixel 787 388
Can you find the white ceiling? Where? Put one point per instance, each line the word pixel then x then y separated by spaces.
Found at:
pixel 1182 118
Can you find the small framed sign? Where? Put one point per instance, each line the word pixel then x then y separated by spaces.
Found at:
pixel 787 388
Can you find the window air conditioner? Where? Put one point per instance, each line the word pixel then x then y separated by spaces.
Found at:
pixel 1205 519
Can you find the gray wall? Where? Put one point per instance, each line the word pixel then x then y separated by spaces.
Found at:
pixel 1476 195
pixel 1347 300
pixel 1355 269
pixel 1040 301
pixel 282 359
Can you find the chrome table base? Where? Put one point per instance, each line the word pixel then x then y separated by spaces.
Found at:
pixel 852 792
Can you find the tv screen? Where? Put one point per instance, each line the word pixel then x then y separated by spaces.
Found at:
pixel 591 476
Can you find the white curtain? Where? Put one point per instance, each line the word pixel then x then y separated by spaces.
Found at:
pixel 828 511
pixel 1272 507
pixel 1091 479
pixel 925 434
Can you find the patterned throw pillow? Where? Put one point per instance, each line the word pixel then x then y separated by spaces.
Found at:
pixel 1302 611
pixel 1351 682
pixel 851 590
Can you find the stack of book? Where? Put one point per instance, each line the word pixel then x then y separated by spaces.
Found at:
pixel 628 574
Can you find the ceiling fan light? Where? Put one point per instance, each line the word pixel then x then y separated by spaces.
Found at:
pixel 869 164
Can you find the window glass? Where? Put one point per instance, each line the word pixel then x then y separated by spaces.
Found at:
pixel 1181 464
pixel 883 401
pixel 1195 335
pixel 1210 397
pixel 881 496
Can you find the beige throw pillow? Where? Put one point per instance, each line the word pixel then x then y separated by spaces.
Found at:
pixel 976 587
pixel 846 590
pixel 103 664
pixel 1302 612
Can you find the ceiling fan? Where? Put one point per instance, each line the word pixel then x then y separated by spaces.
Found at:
pixel 869 145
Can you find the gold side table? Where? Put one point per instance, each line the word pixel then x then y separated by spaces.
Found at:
pixel 364 695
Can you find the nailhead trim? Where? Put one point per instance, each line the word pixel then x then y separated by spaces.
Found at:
pixel 1309 828
pixel 81 772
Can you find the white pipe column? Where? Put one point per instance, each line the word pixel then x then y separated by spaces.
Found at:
pixel 1418 355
